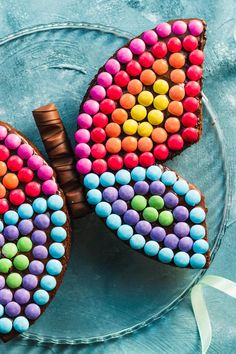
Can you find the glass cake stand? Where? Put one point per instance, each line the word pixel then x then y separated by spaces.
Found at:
pixel 108 290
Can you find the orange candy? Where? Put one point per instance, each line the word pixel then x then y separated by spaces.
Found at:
pixel 119 116
pixel 135 87
pixel 10 181
pixel 145 144
pixel 113 130
pixel 3 168
pixel 177 60
pixel 159 135
pixel 172 125
pixel 113 145
pixel 127 101
pixel 177 76
pixel 129 144
pixel 175 108
pixel 2 191
pixel 148 77
pixel 160 66
pixel 177 93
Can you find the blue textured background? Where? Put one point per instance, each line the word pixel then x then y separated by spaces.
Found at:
pixel 176 333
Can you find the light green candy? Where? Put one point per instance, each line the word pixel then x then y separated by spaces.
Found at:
pixel 139 203
pixel 5 265
pixel 24 244
pixel 21 262
pixel 166 218
pixel 14 280
pixel 150 214
pixel 156 202
pixel 9 250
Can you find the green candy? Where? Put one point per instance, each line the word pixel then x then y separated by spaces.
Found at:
pixel 166 218
pixel 156 202
pixel 139 203
pixel 5 265
pixel 9 250
pixel 21 262
pixel 24 244
pixel 150 214
pixel 14 280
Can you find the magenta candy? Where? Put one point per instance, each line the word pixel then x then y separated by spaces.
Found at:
pixel 45 172
pixel 104 79
pixel 150 37
pixel 163 29
pixel 49 187
pixel 84 120
pixel 34 162
pixel 112 66
pixel 195 27
pixel 25 151
pixel 179 27
pixel 97 92
pixel 91 107
pixel 12 141
pixel 82 150
pixel 137 46
pixel 82 136
pixel 3 132
pixel 124 55
pixel 83 166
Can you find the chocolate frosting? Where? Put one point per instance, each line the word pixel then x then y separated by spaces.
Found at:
pixel 61 157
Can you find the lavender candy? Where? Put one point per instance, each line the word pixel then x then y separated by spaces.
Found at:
pixel 157 188
pixel 131 217
pixel 22 296
pixel 171 200
pixel 119 207
pixel 143 227
pixel 11 232
pixel 171 241
pixel 181 213
pixel 110 194
pixel 158 234
pixel 126 192
pixel 25 227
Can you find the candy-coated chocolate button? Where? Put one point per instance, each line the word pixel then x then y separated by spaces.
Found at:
pixel 177 93
pixel 119 115
pixel 161 102
pixel 175 142
pixel 177 76
pixel 177 60
pixel 159 50
pixel 161 86
pixel 135 87
pixel 145 144
pixel 145 98
pixel 155 117
pixel 129 144
pixel 145 129
pixel 138 203
pixel 159 135
pixel 146 59
pixel 127 101
pixel 175 108
pixel 147 77
pixel 172 125
pixel 160 66
pixel 138 112
pixel 161 152
pixel 130 127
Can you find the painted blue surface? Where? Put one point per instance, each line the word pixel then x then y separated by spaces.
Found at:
pixel 176 332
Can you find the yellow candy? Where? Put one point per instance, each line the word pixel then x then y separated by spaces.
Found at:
pixel 145 129
pixel 138 112
pixel 155 117
pixel 130 126
pixel 145 98
pixel 161 102
pixel 161 86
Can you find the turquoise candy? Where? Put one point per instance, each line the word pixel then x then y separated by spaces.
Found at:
pixel 168 178
pixel 1 310
pixel 5 325
pixel 25 211
pixel 48 282
pixel 197 232
pixel 165 255
pixel 103 209
pixel 1 226
pixel 125 232
pixel 181 187
pixel 107 179
pixel 113 221
pixel 58 234
pixel 151 248
pixel 91 181
pixel 138 174
pixel 123 177
pixel 137 242
pixel 200 246
pixel 58 218
pixel 197 261
pixel 197 215
pixel 39 205
pixel 193 197
pixel 56 250
pixel 55 202
pixel 54 267
pixel 94 196
pixel 181 259
pixel 154 173
pixel 11 217
pixel 41 297
pixel 21 324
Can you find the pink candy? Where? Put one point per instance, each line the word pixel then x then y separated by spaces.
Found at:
pixel 91 107
pixel 124 55
pixel 84 166
pixel 150 37
pixel 84 120
pixel 192 88
pixel 104 79
pixel 12 141
pixel 3 132
pixel 196 57
pixel 194 73
pixel 195 27
pixel 45 172
pixel 82 136
pixel 82 150
pixel 137 46
pixel 49 187
pixel 112 66
pixel 179 27
pixel 25 151
pixel 163 29
pixel 34 162
pixel 98 92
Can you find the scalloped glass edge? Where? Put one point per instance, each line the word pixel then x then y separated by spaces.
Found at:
pixel 161 314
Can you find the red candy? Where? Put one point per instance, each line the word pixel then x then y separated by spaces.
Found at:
pixel 100 120
pixel 122 78
pixel 25 175
pixel 190 135
pixel 98 135
pixel 175 142
pixel 115 162
pixel 174 44
pixel 107 106
pixel 131 160
pixel 159 50
pixel 146 59
pixel 189 119
pixel 99 166
pixel 133 68
pixel 190 43
pixel 4 153
pixel 161 152
pixel 194 72
pixel 196 57
pixel 191 104
pixel 192 88
pixel 4 207
pixel 114 92
pixel 14 163
pixel 98 151
pixel 32 189
pixel 146 159
pixel 17 197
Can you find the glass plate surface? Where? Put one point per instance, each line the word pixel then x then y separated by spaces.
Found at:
pixel 108 290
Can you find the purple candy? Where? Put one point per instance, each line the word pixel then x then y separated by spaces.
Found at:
pixel 2 281
pixel 30 281
pixel 171 241
pixel 12 309
pixel 143 227
pixel 22 296
pixel 181 213
pixel 185 244
pixel 2 240
pixel 131 217
pixel 5 296
pixel 181 229
pixel 36 267
pixel 110 194
pixel 157 188
pixel 42 221
pixel 141 187
pixel 126 192
pixel 25 227
pixel 171 200
pixel 158 234
pixel 11 232
pixel 40 252
pixel 39 237
pixel 119 207
pixel 32 311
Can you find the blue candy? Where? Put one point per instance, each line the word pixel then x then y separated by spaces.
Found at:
pixel 200 246
pixel 48 282
pixel 197 232
pixel 56 250
pixel 193 197
pixel 197 215
pixel 154 173
pixel 181 259
pixel 138 174
pixel 151 248
pixel 168 178
pixel 21 324
pixel 25 211
pixel 39 205
pixel 41 297
pixel 91 181
pixel 5 325
pixel 58 218
pixel 55 202
pixel 11 217
pixel 125 232
pixel 103 209
pixel 137 242
pixel 113 221
pixel 94 196
pixel 107 179
pixel 123 177
pixel 180 187
pixel 58 234
pixel 165 255
pixel 54 267
pixel 197 261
